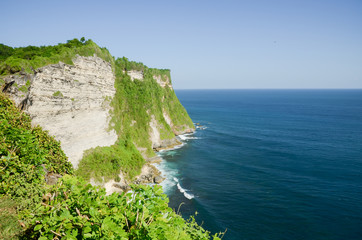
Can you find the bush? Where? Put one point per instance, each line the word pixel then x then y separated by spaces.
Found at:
pixel 105 163
pixel 24 150
pixel 81 211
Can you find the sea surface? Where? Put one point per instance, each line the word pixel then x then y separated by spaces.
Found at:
pixel 270 164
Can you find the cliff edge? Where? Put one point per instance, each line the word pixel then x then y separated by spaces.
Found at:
pixel 95 104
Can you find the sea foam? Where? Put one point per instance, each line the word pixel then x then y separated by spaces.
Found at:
pixel 169 172
pixel 184 191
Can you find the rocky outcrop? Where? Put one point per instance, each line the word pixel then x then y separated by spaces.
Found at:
pixel 177 130
pixel 155 137
pixel 70 101
pixel 149 175
pixel 134 74
pixel 163 81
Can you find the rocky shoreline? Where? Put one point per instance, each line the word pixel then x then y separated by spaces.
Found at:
pixel 149 173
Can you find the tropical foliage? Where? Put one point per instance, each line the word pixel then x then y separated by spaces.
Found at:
pixel 72 208
pixel 81 211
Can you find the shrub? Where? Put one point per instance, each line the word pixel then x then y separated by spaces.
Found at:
pixel 81 211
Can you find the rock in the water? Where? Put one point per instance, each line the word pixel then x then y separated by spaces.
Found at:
pixel 158 179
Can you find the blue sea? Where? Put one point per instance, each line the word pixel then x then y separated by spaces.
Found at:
pixel 270 164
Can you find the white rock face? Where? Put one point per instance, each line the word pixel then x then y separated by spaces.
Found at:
pixel 72 103
pixel 167 118
pixel 134 74
pixel 163 82
pixel 155 136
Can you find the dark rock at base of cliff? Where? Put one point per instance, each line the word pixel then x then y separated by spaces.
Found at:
pixel 122 187
pixel 149 174
pixel 158 179
pixel 168 144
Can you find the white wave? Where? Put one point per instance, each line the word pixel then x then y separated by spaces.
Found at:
pixel 184 191
pixel 188 195
pixel 169 174
pixel 187 136
pixel 200 127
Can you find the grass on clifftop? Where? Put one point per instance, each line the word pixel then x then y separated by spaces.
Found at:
pixel 14 60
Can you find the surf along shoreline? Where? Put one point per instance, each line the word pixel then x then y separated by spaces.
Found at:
pixel 156 170
pixel 169 174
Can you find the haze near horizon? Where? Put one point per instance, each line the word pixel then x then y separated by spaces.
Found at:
pixel 208 44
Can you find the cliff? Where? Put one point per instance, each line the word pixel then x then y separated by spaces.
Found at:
pixel 40 198
pixel 98 106
pixel 69 101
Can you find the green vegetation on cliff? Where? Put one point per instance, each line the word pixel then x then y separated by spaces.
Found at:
pixel 105 163
pixel 72 208
pixel 14 60
pixel 23 151
pixel 135 104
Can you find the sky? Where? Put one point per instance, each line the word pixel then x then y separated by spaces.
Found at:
pixel 208 44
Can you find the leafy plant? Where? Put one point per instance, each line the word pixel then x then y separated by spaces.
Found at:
pixel 105 163
pixel 81 211
pixel 24 150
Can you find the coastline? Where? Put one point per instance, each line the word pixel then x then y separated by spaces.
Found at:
pixel 152 171
pixel 171 175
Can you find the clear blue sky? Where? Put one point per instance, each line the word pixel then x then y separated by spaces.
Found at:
pixel 208 44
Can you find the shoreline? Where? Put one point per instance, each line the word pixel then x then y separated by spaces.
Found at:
pixel 151 172
pixel 171 175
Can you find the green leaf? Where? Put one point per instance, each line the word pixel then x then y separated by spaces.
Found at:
pixel 87 229
pixel 87 235
pixel 68 226
pixel 38 227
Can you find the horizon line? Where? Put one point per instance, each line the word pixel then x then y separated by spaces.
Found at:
pixel 267 88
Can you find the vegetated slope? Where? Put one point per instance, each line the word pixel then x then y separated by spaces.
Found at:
pixel 146 113
pixel 71 208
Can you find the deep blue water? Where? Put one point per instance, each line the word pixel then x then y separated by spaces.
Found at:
pixel 271 164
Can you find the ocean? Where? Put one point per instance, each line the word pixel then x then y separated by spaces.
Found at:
pixel 270 164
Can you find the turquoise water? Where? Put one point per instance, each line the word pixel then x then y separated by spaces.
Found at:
pixel 271 164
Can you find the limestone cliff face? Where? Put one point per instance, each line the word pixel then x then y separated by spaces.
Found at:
pixel 70 101
pixel 73 102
